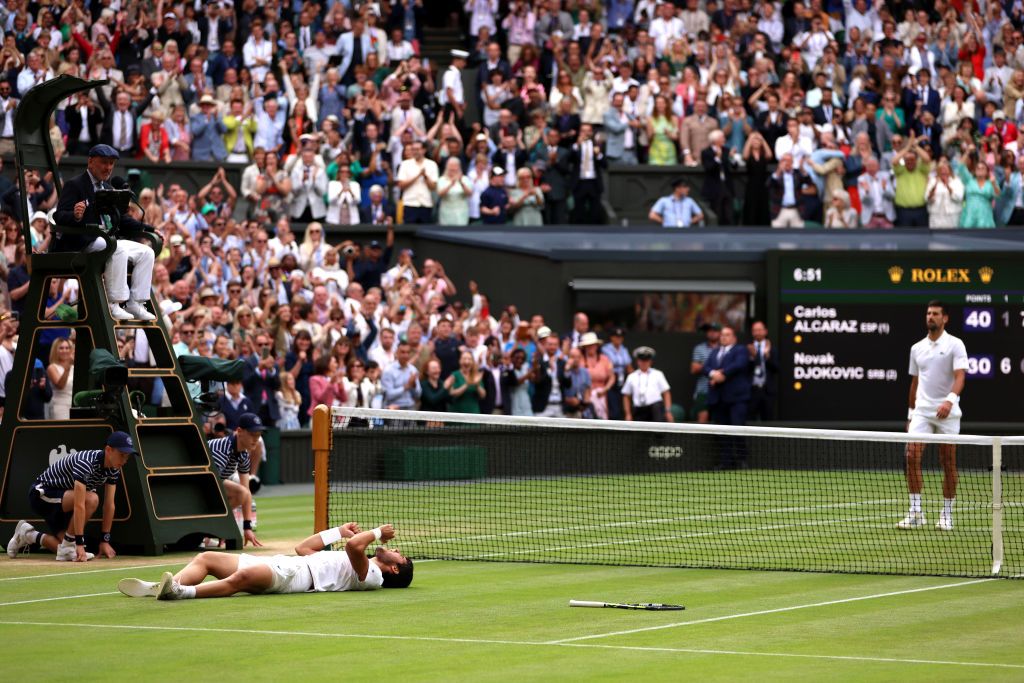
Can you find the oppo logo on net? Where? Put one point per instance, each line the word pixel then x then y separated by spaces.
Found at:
pixel 664 452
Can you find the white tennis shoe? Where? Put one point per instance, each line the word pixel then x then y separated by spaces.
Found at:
pixel 19 541
pixel 945 523
pixel 169 589
pixel 913 520
pixel 137 588
pixel 67 553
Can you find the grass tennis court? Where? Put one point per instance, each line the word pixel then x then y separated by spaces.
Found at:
pixel 491 621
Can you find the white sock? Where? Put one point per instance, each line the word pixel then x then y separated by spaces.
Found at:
pixel 188 592
pixel 915 503
pixel 947 506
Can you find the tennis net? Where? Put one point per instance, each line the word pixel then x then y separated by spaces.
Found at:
pixel 471 487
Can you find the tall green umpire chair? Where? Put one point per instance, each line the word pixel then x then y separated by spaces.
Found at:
pixel 171 495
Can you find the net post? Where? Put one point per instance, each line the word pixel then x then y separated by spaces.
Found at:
pixel 997 505
pixel 321 442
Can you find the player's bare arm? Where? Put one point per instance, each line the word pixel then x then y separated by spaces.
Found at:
pixel 959 379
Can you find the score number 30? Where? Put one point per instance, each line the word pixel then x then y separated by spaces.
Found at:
pixel 984 366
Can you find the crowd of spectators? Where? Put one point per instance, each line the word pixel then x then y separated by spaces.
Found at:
pixel 848 114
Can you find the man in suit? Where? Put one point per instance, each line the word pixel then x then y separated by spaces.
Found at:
pixel 728 373
pixel 260 379
pixel 510 158
pixel 218 64
pixel 787 187
pixel 695 132
pixel 219 24
pixel 85 123
pixel 921 97
pixel 119 121
pixel 208 130
pixel 77 207
pixel 620 129
pixel 717 191
pixel 309 185
pixel 548 376
pixel 556 164
pixel 493 62
pixel 764 371
pixel 405 116
pixel 588 185
pixel 353 48
pixel 927 129
pixel 822 114
pixel 771 123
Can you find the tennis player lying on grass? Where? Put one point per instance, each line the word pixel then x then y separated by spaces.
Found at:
pixel 312 569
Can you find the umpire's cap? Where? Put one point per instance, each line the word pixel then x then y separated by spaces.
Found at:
pixel 105 151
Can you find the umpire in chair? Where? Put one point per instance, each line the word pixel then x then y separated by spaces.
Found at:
pixel 77 206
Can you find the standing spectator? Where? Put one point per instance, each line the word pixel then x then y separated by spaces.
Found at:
pixel 765 371
pixel 257 52
pixel 233 404
pixel 676 210
pixel 309 185
pixel 787 187
pixel 646 394
pixel 699 358
pixel 695 131
pixel 1011 200
pixel 662 131
pixel 718 165
pixel 728 373
pixel 343 199
pixel 526 201
pixel 260 378
pixel 876 192
pixel 616 351
pixel 546 376
pixel 620 130
pixel 119 121
pixel 61 373
pixel 494 200
pixel 401 381
pixel 417 179
pixel 588 160
pixel 207 132
pixel 326 386
pixel 602 374
pixel 466 386
pixel 453 192
pixel 980 190
pixel 945 197
pixel 433 393
pixel 577 392
pixel 84 120
pixel 555 163
pixel 756 155
pixel 516 384
pixel 451 97
pixel 288 402
pixel 911 179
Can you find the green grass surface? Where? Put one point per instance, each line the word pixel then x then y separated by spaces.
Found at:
pixel 510 622
pixel 817 520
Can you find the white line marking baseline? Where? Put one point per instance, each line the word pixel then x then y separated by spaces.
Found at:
pixel 62 597
pixel 482 641
pixel 777 610
pixel 72 573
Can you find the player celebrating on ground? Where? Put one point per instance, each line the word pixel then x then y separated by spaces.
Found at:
pixel 314 569
pixel 65 496
pixel 938 366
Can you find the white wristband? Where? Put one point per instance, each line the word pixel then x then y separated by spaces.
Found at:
pixel 376 533
pixel 330 536
pixel 953 398
pixel 910 413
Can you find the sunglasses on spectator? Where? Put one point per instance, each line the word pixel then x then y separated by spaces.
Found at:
pixel 186 332
pixel 234 290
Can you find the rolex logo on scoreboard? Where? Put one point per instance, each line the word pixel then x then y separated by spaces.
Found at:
pixel 986 273
pixel 896 275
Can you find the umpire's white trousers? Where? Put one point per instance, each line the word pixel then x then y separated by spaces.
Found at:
pixel 116 273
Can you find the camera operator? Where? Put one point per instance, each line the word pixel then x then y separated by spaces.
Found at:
pixel 77 206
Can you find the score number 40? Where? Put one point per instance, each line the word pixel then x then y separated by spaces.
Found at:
pixel 983 319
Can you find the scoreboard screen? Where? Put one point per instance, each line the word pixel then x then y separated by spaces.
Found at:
pixel 844 324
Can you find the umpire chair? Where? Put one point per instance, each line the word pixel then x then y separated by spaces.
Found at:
pixel 171 495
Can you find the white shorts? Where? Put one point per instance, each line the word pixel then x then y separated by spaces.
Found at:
pixel 291 574
pixel 919 424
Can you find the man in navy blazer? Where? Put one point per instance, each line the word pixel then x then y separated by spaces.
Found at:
pixel 77 206
pixel 260 379
pixel 728 373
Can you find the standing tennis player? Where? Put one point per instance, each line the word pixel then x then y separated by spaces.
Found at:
pixel 938 367
pixel 314 568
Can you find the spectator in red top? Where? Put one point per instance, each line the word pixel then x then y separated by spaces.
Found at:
pixel 1006 130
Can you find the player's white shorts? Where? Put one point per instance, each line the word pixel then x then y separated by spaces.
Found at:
pixel 291 574
pixel 919 424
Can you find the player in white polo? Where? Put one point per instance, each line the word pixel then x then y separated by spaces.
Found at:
pixel 314 568
pixel 938 366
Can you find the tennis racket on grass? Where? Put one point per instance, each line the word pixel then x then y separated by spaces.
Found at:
pixel 649 606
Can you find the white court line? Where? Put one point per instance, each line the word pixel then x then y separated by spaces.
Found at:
pixel 521 643
pixel 62 597
pixel 88 571
pixel 662 520
pixel 777 610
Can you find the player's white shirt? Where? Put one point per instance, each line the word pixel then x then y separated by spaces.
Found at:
pixel 933 363
pixel 332 571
